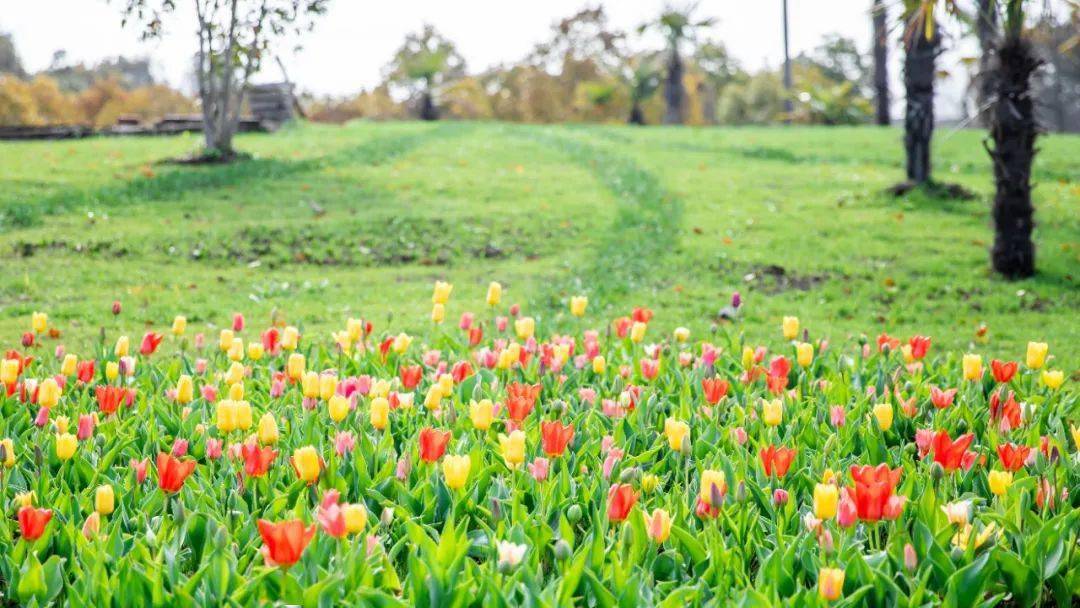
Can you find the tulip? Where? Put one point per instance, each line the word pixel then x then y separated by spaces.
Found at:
pixel 1075 431
pixel 1013 457
pixel 48 393
pixel 772 412
pixel 524 327
pixel 776 461
pixel 676 431
pixel 578 305
pixel 307 463
pixel 7 453
pixel 185 390
pixel 958 513
pixel 804 354
pixel 972 366
pixel 510 554
pixel 456 470
pixel 172 472
pixel 1036 354
pixel 883 413
pixel 268 429
pixel 112 370
pixel 713 487
pixel 952 455
pixel 658 525
pixel 554 437
pixel 9 371
pixel 179 325
pixel 830 584
pixel 715 389
pixel 874 487
pixel 432 444
pixel 599 364
pixel 513 448
pixel 284 542
pixel 826 498
pixel 257 460
pixel 338 407
pixel 637 332
pixel 621 498
pixel 32 522
pixel 494 294
pixel 294 368
pixel 1053 379
pixel 999 482
pixel 290 338
pixel 39 322
pixel 70 365
pixel 401 343
pixel 66 444
pixel 790 327
pixel 482 413
pixel 356 517
pixel 438 313
pixel 441 293
pixel 104 500
pixel 1003 371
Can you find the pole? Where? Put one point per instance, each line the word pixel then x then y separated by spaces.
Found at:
pixel 787 68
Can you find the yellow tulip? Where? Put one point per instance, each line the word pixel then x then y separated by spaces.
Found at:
pixel 1036 354
pixel 339 408
pixel 637 331
pixel 525 327
pixel 1075 430
pixel 772 412
pixel 39 322
pixel 66 444
pixel 185 390
pixel 790 327
pixel 380 388
pixel 226 416
pixel 433 399
pixel 25 499
pixel 804 354
pixel 355 329
pixel 112 370
pixel 909 356
pixel 826 499
pixel 236 391
pixel 356 517
pixel 9 452
pixel 999 481
pixel 441 293
pixel 70 365
pixel 599 364
pixel 236 349
pixel 268 429
pixel 255 351
pixel 309 385
pixel 494 293
pixel 401 343
pixel 649 482
pixel 9 371
pixel 104 500
pixel 244 416
pixel 676 431
pixel 972 365
pixel 964 537
pixel 122 346
pixel 379 413
pixel 1053 379
pixel 235 373
pixel 958 513
pixel 225 339
pixel 290 338
pixel 513 448
pixel 711 478
pixel 179 325
pixel 830 583
pixel 438 313
pixel 327 386
pixel 681 334
pixel 481 413
pixel 658 525
pixel 883 413
pixel 578 305
pixel 48 393
pixel 295 366
pixel 456 470
pixel 747 357
pixel 307 463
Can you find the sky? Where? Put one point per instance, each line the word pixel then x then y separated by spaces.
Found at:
pixel 352 43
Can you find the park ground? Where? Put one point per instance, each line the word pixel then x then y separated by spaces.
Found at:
pixel 328 222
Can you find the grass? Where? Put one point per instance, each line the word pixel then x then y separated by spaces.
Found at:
pixel 361 219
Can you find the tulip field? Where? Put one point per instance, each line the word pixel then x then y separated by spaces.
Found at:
pixel 492 365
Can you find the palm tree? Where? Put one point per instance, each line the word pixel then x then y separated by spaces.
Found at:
pixel 986 31
pixel 642 78
pixel 881 61
pixel 1013 131
pixel 677 25
pixel 922 43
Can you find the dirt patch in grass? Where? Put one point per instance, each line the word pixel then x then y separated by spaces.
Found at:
pixel 772 279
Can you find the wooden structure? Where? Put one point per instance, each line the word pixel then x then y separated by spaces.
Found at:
pixel 272 104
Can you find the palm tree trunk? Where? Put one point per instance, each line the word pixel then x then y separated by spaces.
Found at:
pixel 673 89
pixel 428 109
pixel 1013 131
pixel 637 117
pixel 919 71
pixel 881 63
pixel 986 29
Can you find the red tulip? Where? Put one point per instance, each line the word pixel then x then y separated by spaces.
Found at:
pixel 1003 370
pixel 518 408
pixel 953 454
pixel 777 461
pixel 942 399
pixel 1013 456
pixel 461 371
pixel 410 376
pixel 433 444
pixel 84 371
pixel 32 522
pixel 116 307
pixel 529 392
pixel 886 340
pixel 1006 413
pixel 621 498
pixel 622 326
pixel 919 346
pixel 649 368
pixel 257 460
pixel 284 542
pixel 873 488
pixel 554 437
pixel 172 472
pixel 715 389
pixel 642 315
pixel 271 340
pixel 476 334
pixel 150 342
pixel 109 398
pixel 238 322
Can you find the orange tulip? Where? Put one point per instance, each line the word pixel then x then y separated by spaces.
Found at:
pixel 433 444
pixel 554 437
pixel 172 472
pixel 284 542
pixel 32 522
pixel 777 461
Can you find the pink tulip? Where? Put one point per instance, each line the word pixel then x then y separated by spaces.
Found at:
pixel 837 415
pixel 344 442
pixel 42 417
pixel 238 322
pixel 277 389
pixel 139 466
pixel 213 448
pixel 86 427
pixel 180 447
pixel 847 513
pixel 209 392
pixel 539 469
pixel 466 321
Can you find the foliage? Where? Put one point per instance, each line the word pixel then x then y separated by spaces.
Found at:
pixel 42 101
pixel 425 63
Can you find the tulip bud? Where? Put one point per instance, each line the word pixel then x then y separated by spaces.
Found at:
pixel 740 491
pixel 937 472
pixel 387 516
pixel 573 514
pixel 911 560
pixel 562 550
pixel 116 307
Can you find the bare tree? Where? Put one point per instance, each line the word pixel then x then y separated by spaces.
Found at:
pixel 234 37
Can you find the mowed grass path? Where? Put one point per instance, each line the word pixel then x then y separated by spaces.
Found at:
pixel 328 222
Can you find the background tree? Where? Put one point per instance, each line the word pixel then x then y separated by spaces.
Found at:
pixel 424 64
pixel 879 16
pixel 678 26
pixel 719 69
pixel 922 44
pixel 1013 131
pixel 10 63
pixel 1056 38
pixel 234 38
pixel 986 30
pixel 642 79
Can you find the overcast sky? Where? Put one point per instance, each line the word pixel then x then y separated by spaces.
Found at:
pixel 356 38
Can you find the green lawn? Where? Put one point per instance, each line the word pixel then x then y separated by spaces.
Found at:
pixel 328 221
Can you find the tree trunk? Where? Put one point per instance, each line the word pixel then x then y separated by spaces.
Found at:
pixel 919 71
pixel 428 109
pixel 709 93
pixel 637 117
pixel 986 30
pixel 1013 131
pixel 673 89
pixel 881 63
